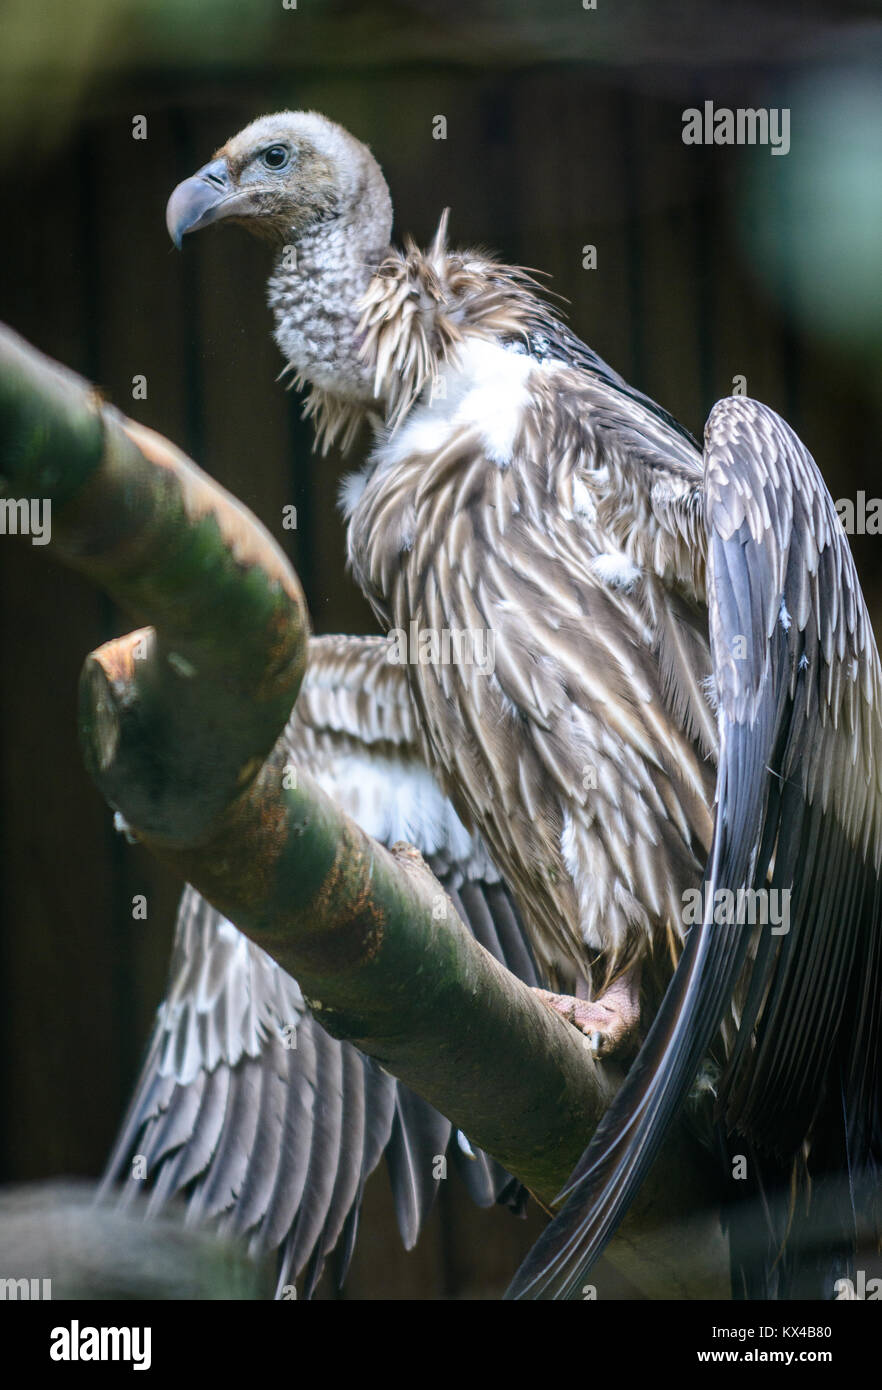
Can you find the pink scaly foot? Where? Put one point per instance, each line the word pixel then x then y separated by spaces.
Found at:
pixel 611 1022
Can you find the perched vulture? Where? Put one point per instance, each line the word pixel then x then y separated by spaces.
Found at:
pixel 658 710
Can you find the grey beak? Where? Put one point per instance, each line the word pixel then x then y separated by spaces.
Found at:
pixel 205 197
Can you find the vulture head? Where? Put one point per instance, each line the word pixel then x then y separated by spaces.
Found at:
pixel 318 195
pixel 284 176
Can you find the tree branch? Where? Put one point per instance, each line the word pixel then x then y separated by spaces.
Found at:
pixel 179 730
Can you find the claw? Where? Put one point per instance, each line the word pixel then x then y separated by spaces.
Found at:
pixel 610 1024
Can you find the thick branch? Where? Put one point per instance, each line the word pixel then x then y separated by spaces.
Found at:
pixel 178 730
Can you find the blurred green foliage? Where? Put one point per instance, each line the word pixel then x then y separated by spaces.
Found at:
pixel 812 228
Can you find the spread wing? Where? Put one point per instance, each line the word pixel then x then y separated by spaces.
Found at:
pixel 245 1105
pixel 799 792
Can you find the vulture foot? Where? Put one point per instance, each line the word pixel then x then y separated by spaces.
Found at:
pixel 611 1023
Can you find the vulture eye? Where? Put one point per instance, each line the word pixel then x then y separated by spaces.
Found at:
pixel 276 157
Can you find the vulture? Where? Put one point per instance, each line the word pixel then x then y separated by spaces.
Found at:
pixel 639 689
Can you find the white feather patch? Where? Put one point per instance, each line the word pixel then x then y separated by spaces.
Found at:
pixel 485 388
pixel 784 616
pixel 392 801
pixel 351 486
pixel 616 569
pixel 583 502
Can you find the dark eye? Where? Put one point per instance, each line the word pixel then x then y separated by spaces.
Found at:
pixel 276 157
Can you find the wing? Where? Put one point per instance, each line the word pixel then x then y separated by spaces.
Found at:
pixel 799 792
pixel 244 1105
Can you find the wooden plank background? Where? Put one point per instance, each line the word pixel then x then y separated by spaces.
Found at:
pixel 541 158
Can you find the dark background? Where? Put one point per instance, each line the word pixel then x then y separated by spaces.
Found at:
pixel 563 129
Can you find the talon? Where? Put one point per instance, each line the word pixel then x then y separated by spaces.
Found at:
pixel 610 1023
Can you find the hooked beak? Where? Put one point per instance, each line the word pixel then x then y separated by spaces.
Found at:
pixel 205 197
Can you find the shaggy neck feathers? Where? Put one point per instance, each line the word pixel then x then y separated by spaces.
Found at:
pixel 375 337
